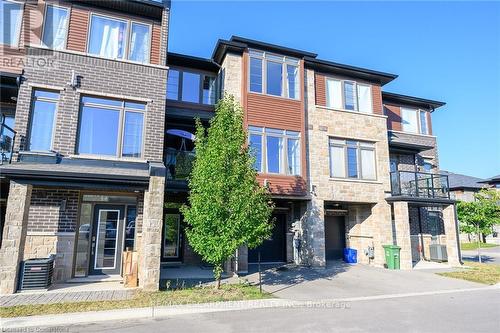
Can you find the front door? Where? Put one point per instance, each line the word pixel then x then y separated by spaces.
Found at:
pixel 107 239
pixel 273 249
pixel 334 237
pixel 172 237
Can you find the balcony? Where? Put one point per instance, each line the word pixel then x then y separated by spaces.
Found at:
pixel 419 185
pixel 179 163
pixel 7 139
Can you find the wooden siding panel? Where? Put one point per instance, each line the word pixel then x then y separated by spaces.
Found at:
pixel 78 27
pixel 393 113
pixel 274 112
pixel 429 123
pixel 284 185
pixel 377 100
pixel 156 44
pixel 320 88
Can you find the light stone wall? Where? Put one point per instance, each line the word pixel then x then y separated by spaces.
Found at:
pixel 150 255
pixel 232 67
pixel 402 229
pixel 369 220
pixel 62 244
pixel 450 227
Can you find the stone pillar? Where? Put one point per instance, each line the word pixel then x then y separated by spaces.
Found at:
pixel 14 236
pixel 402 229
pixel 242 260
pixel 313 234
pixel 149 277
pixel 450 229
pixel 289 247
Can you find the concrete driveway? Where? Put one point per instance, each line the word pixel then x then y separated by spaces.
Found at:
pixel 489 255
pixel 340 280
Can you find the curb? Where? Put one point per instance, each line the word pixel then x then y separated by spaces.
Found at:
pixel 66 319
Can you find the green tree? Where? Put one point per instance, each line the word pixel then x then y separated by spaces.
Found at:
pixel 227 206
pixel 480 215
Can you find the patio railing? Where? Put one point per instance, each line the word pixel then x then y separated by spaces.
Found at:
pixel 419 184
pixel 7 140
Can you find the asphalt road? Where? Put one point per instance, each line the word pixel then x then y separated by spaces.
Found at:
pixel 490 255
pixel 470 311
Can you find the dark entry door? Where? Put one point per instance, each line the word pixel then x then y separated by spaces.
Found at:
pixel 171 247
pixel 334 237
pixel 274 249
pixel 107 239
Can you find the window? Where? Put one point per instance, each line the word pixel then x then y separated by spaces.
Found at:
pixel 173 84
pixel 42 120
pixel 55 27
pixel 274 74
pixel 414 121
pixel 110 37
pixel 352 159
pixel 192 87
pixel 275 151
pixel 348 95
pixel 11 16
pixel 139 43
pixel 111 127
pixel 427 165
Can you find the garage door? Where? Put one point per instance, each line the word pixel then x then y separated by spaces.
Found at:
pixel 274 249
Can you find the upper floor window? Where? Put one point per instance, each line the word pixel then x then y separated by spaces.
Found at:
pixel 352 159
pixel 10 28
pixel 43 116
pixel 275 150
pixel 414 121
pixel 274 75
pixel 192 87
pixel 111 38
pixel 55 27
pixel 111 127
pixel 348 95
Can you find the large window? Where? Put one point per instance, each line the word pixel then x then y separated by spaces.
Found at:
pixel 111 38
pixel 111 127
pixel 274 75
pixel 192 87
pixel 348 95
pixel 10 26
pixel 43 117
pixel 352 159
pixel 275 151
pixel 414 121
pixel 55 27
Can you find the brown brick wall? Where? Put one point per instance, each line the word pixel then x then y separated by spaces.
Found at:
pixel 46 213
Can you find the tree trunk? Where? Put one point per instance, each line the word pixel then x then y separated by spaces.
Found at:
pixel 217 283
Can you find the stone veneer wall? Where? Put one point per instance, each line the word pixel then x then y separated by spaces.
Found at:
pixel 232 68
pixel 369 213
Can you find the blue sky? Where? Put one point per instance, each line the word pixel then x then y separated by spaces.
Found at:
pixel 448 51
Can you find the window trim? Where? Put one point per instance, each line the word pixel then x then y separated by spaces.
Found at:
pixel 359 162
pixel 285 60
pixel 128 28
pixel 68 11
pixel 342 94
pixel 18 33
pixel 54 121
pixel 121 126
pixel 284 136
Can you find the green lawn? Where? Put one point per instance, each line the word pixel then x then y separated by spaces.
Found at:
pixel 228 292
pixel 473 245
pixel 482 273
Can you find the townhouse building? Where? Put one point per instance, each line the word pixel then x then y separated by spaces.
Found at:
pixel 98 146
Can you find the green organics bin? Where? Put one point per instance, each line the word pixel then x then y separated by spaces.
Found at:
pixel 392 256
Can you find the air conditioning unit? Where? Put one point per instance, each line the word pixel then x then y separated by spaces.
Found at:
pixel 438 252
pixel 36 274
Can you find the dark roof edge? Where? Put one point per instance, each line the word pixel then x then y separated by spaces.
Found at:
pixel 273 47
pixel 368 74
pixel 223 46
pixel 161 3
pixel 177 59
pixel 411 100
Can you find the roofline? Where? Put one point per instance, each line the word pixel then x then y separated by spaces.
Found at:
pixel 431 104
pixel 364 73
pixel 192 61
pixel 273 47
pixel 162 3
pixel 224 46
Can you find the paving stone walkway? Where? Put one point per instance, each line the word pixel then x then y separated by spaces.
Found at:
pixel 65 297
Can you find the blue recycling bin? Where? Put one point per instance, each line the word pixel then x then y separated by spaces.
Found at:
pixel 350 255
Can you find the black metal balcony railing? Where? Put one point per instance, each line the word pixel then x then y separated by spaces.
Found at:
pixel 7 140
pixel 179 163
pixel 419 184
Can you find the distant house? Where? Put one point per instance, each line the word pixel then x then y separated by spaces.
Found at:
pixel 493 181
pixel 463 187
